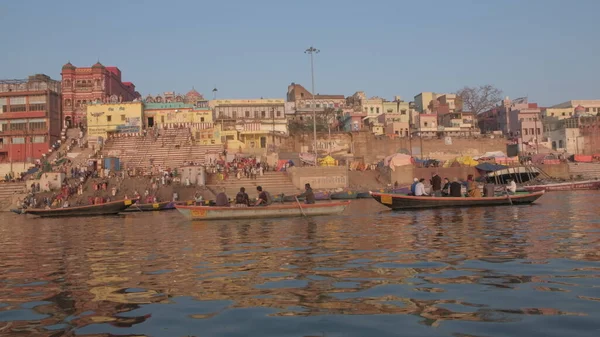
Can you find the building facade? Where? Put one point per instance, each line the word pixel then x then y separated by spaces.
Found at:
pixel 568 109
pixel 251 124
pixel 96 84
pixel 30 117
pixel 303 99
pixel 109 119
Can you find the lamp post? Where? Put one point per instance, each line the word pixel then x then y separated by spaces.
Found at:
pixel 311 51
pixel 273 139
pixel 537 135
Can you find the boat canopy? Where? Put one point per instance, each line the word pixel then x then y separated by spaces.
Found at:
pixel 489 167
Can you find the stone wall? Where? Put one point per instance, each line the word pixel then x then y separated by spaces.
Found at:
pixel 371 148
pixel 331 177
pixel 560 171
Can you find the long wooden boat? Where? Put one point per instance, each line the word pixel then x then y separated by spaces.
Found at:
pixel 363 195
pixel 109 208
pixel 159 206
pixel 346 195
pixel 271 211
pixel 402 202
pixel 569 186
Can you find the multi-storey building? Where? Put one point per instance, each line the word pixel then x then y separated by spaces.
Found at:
pixel 250 124
pixel 569 108
pixel 84 85
pixel 303 100
pixel 30 117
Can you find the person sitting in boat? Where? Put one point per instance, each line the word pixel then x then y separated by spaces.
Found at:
pixel 511 188
pixel 242 199
pixel 65 204
pixel 420 188
pixel 413 186
pixel 472 188
pixel 446 188
pixel 455 188
pixel 222 200
pixel 264 198
pixel 309 195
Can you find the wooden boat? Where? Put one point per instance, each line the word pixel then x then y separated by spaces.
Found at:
pixel 17 210
pixel 272 211
pixel 159 206
pixel 346 195
pixel 568 186
pixel 518 174
pixel 108 208
pixel 285 198
pixel 401 202
pixel 321 195
pixel 363 195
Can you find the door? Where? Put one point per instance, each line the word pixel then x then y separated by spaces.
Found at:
pixel 263 142
pixel 150 122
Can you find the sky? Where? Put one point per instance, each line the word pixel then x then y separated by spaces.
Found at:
pixel 546 50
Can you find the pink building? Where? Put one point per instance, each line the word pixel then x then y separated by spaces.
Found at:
pixel 526 123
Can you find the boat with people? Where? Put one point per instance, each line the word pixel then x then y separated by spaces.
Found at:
pixel 406 202
pixel 150 207
pixel 108 208
pixel 271 211
pixel 567 186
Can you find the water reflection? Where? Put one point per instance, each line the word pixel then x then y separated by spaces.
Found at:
pixel 454 272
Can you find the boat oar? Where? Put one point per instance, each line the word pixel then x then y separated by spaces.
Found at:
pixel 508 195
pixel 300 205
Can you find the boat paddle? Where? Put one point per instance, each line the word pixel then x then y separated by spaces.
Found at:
pixel 508 195
pixel 300 205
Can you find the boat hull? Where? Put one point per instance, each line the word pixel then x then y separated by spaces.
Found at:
pixel 108 208
pixel 363 195
pixel 349 195
pixel 272 211
pixel 404 202
pixel 570 186
pixel 159 206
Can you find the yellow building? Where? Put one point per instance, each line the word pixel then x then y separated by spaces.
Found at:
pixel 250 125
pixel 104 119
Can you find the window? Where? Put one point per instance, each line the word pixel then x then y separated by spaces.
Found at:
pixel 587 109
pixel 563 114
pixel 18 126
pixel 38 139
pixel 202 119
pixel 278 113
pixel 233 115
pixel 377 110
pixel 18 140
pixel 108 118
pixel 35 124
pixel 122 118
pixel 302 94
pixel 255 114
pixel 37 107
pixel 78 103
pixel 390 111
pixel 318 105
pixel 263 114
pixel 403 112
pixel 18 108
pixel 538 131
pixel 524 132
pixel 247 114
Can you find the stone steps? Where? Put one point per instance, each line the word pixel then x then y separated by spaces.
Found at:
pixel 9 189
pixel 273 182
pixel 586 170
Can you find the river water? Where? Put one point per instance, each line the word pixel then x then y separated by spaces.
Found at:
pixel 498 271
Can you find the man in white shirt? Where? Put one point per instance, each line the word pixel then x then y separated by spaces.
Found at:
pixel 420 188
pixel 512 186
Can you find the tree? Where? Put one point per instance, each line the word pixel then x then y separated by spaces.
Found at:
pixel 479 99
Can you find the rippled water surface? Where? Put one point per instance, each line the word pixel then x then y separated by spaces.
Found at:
pixel 501 271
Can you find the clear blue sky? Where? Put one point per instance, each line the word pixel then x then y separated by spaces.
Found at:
pixel 546 49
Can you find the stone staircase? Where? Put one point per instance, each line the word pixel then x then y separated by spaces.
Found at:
pixel 7 191
pixel 171 148
pixel 586 170
pixel 273 182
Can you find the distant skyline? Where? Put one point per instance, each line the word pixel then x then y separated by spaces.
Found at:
pixel 546 50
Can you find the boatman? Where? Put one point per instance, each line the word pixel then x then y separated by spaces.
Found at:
pixel 309 195
pixel 436 184
pixel 512 186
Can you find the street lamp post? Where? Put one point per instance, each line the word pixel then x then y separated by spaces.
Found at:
pixel 312 50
